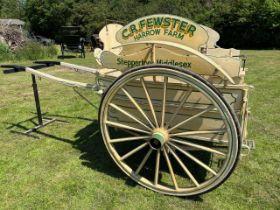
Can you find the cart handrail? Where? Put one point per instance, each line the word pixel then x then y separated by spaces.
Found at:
pixel 45 64
pixel 185 48
pixel 66 82
pixel 79 68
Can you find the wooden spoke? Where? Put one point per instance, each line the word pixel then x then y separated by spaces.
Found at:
pixel 129 115
pixel 164 101
pixel 129 132
pixel 191 118
pixel 138 107
pixel 185 97
pixel 157 167
pixel 197 146
pixel 205 139
pixel 170 168
pixel 134 151
pixel 149 101
pixel 219 131
pixel 144 161
pixel 154 53
pixel 129 139
pixel 184 167
pixel 194 159
pixel 120 125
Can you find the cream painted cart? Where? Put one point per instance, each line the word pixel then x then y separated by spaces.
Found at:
pixel 173 113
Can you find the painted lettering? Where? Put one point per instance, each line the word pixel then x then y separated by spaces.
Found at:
pixel 174 21
pixel 158 22
pixel 191 30
pixel 149 23
pixel 133 28
pixel 172 26
pixel 166 22
pixel 124 34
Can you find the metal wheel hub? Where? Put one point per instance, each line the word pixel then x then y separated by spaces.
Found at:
pixel 159 137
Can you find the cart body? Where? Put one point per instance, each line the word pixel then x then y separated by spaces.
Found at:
pixel 172 40
pixel 163 75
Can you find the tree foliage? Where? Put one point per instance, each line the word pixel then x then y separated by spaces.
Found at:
pixel 12 9
pixel 241 23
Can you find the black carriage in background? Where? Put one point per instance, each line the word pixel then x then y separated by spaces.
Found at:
pixel 72 40
pixel 96 42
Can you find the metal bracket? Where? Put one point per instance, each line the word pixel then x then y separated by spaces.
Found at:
pixel 249 145
pixel 42 122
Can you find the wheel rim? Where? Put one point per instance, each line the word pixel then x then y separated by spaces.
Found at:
pixel 162 149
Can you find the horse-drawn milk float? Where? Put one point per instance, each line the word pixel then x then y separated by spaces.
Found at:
pixel 173 113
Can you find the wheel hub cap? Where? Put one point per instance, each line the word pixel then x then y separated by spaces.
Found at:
pixel 159 138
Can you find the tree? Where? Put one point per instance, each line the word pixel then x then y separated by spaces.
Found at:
pixel 47 16
pixel 89 15
pixel 12 9
pixel 250 24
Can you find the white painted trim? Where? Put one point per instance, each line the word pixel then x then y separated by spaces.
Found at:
pixel 81 68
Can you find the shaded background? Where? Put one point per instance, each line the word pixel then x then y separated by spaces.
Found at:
pixel 246 24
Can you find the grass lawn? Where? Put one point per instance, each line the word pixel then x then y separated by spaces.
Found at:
pixel 69 168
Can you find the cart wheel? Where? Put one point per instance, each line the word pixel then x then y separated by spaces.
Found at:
pixel 169 130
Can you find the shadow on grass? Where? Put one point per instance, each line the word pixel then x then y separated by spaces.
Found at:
pixel 94 154
pixel 89 142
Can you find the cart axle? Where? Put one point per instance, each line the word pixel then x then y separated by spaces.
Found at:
pixel 159 137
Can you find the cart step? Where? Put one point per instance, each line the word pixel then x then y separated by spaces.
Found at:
pixel 251 144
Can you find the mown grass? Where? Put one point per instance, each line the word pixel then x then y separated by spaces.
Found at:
pixel 69 167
